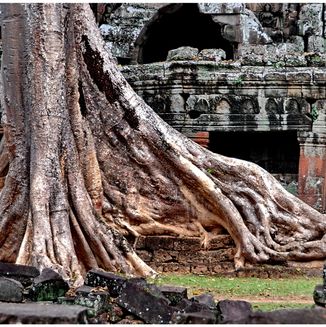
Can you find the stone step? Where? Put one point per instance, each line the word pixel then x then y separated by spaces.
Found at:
pixel 112 282
pixel 21 273
pixel 10 290
pixel 36 313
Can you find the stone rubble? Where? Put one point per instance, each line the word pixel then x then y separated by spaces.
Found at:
pixel 114 299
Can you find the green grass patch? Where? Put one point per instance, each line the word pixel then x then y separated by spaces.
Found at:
pixel 239 286
pixel 278 306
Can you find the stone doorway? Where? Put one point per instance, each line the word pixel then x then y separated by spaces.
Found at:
pixel 276 151
pixel 179 25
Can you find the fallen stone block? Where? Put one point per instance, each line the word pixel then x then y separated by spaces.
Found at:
pixel 101 278
pixel 230 311
pixel 295 316
pixel 23 274
pixel 10 290
pixel 145 301
pixel 36 313
pixel 49 286
pixel 203 317
pixel 191 310
pixel 97 301
pixel 206 299
pixel 174 293
pixel 319 295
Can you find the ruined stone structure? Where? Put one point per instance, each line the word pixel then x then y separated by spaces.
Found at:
pixel 243 80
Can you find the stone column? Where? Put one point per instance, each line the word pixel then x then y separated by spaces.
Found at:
pixel 312 169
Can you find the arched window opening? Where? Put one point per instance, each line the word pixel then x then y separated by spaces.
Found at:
pixel 179 25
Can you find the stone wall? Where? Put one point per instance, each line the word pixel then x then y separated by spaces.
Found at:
pixel 186 255
pixel 166 254
pixel 265 74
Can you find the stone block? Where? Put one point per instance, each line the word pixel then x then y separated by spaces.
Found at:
pixel 217 256
pixel 96 300
pixel 221 8
pixel 317 60
pixel 10 290
pixel 48 286
pixel 199 269
pixel 205 299
pixel 140 243
pixel 232 33
pixel 145 301
pixel 295 317
pixel 275 92
pixel 215 55
pixel 310 19
pixel 294 91
pixel 187 244
pixel 319 295
pixel 160 242
pixel 295 60
pixel 228 19
pixel 114 283
pixel 176 267
pixel 182 53
pixel 192 310
pixel 232 311
pixel 23 274
pixel 36 313
pixel 194 257
pixel 198 318
pixel 316 44
pixel 253 60
pixel 165 256
pixel 275 76
pixel 145 255
pixel 174 293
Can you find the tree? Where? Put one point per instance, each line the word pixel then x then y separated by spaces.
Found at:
pixel 87 162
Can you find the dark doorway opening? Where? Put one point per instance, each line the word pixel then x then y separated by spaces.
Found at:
pixel 276 151
pixel 179 25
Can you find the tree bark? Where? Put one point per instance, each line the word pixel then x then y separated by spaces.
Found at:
pixel 87 162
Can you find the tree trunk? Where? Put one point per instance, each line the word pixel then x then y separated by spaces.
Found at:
pixel 87 161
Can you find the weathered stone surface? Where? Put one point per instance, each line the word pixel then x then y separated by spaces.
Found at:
pixel 149 305
pixel 233 311
pixel 221 8
pixel 310 19
pixel 174 293
pixel 97 300
pixel 10 290
pixel 48 286
pixel 205 299
pixel 96 277
pixel 316 44
pixel 21 273
pixel 182 53
pixel 70 300
pixel 319 295
pixel 299 316
pixel 194 311
pixel 212 55
pixel 36 313
pixel 203 317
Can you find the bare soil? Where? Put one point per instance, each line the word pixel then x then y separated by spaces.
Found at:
pixel 269 299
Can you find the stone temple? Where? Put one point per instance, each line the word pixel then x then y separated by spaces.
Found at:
pixel 243 80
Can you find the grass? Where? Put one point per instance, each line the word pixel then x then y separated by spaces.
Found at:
pixel 279 306
pixel 271 290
